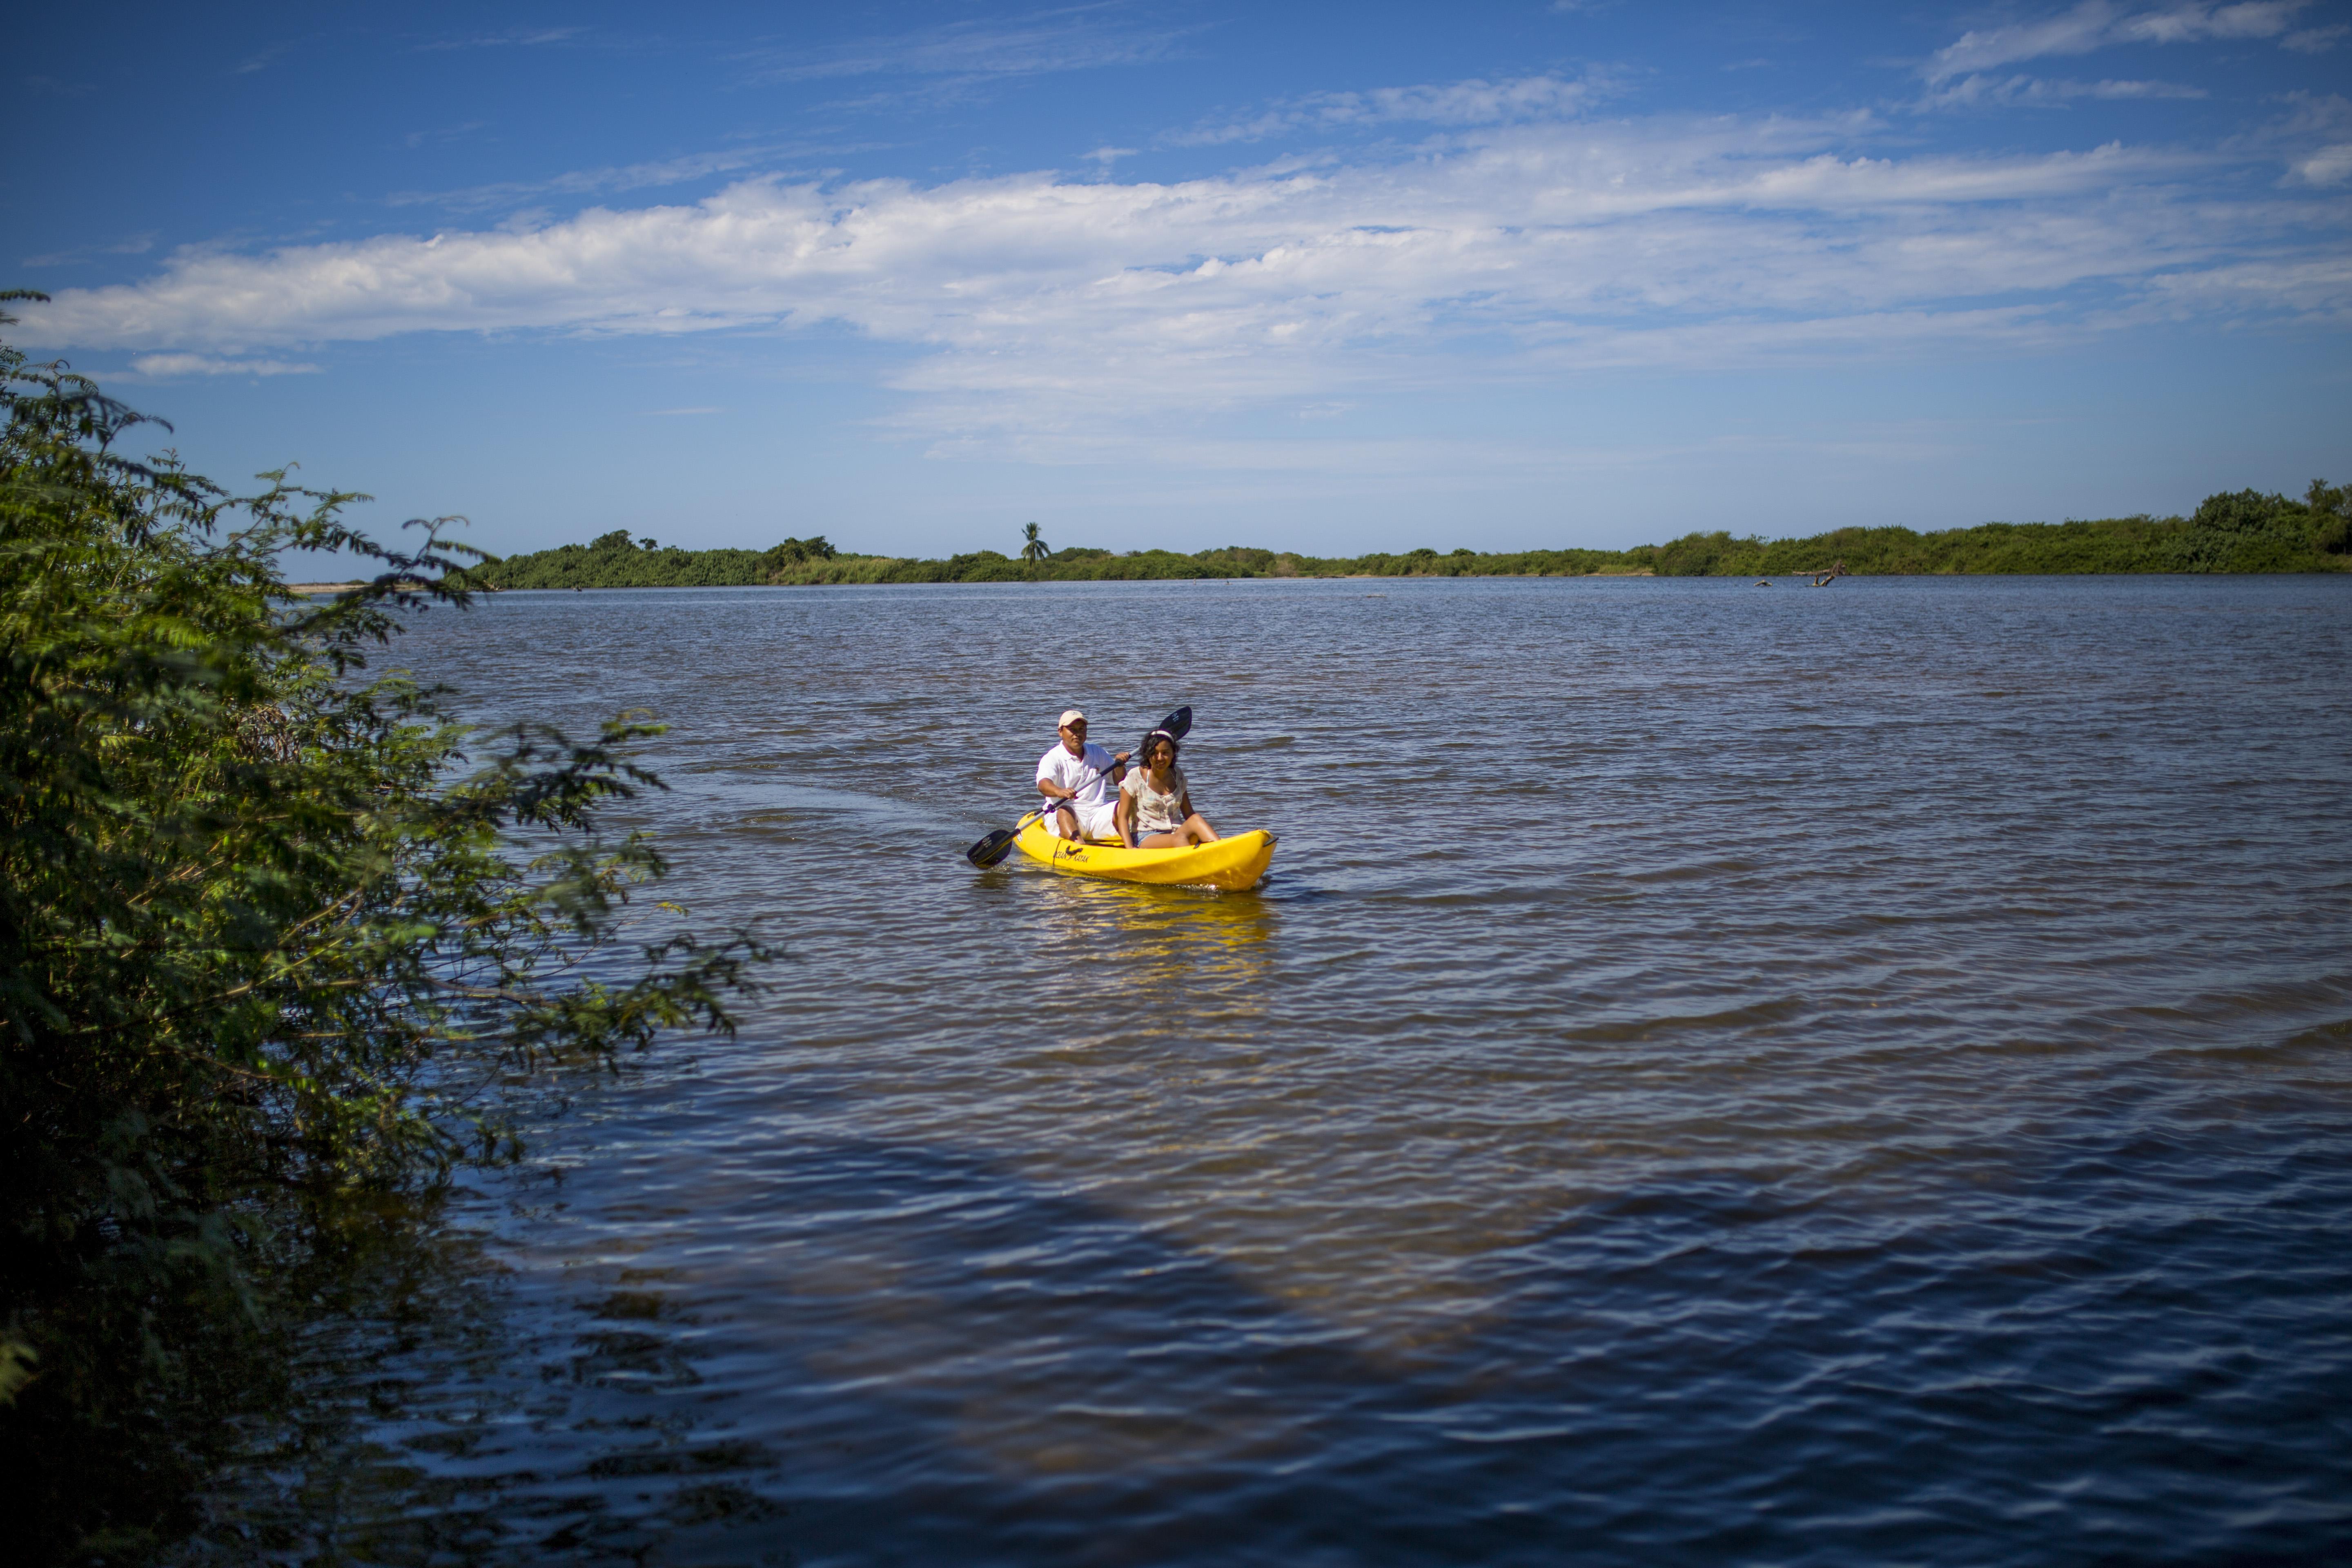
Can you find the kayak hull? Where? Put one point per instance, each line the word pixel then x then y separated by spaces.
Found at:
pixel 1233 864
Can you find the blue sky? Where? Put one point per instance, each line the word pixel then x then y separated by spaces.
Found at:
pixel 1330 277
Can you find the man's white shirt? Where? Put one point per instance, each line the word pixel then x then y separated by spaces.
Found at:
pixel 1072 772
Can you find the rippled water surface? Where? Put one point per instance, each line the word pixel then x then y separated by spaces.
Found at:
pixel 1716 1075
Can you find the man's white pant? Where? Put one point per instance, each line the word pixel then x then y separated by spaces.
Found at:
pixel 1094 819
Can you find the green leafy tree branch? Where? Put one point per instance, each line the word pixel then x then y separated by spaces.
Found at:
pixel 273 926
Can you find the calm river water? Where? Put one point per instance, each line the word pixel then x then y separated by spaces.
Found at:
pixel 1719 1075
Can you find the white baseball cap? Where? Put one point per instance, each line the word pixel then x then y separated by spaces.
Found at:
pixel 1069 716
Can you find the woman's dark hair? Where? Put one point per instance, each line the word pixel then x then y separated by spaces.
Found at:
pixel 1158 737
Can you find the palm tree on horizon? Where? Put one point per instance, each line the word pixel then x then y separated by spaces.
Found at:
pixel 1033 549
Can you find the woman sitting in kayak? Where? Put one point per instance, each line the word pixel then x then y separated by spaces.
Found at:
pixel 1154 809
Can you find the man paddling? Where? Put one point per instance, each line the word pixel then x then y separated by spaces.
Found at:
pixel 1083 778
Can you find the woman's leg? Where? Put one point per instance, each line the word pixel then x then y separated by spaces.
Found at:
pixel 1195 830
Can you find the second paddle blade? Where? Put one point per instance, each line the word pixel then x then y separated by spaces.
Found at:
pixel 1178 724
pixel 993 848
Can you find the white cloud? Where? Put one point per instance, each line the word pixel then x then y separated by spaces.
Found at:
pixel 650 174
pixel 2028 92
pixel 136 244
pixel 2316 40
pixel 1079 37
pixel 1472 102
pixel 2100 24
pixel 2315 284
pixel 512 37
pixel 1048 316
pixel 2311 138
pixel 444 136
pixel 2328 167
pixel 163 367
pixel 266 58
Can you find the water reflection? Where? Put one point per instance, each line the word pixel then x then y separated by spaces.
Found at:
pixel 1162 939
pixel 430 1420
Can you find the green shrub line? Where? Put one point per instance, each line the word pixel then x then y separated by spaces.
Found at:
pixel 2240 530
pixel 277 932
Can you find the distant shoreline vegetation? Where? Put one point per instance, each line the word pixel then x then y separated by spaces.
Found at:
pixel 2237 532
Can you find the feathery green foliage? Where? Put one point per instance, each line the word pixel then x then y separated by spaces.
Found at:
pixel 269 932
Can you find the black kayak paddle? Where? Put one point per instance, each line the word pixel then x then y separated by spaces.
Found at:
pixel 999 844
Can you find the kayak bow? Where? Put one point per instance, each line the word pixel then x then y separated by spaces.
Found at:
pixel 1233 864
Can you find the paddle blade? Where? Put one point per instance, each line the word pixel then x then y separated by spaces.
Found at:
pixel 1178 724
pixel 993 848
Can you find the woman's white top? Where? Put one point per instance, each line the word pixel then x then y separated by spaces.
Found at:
pixel 1152 811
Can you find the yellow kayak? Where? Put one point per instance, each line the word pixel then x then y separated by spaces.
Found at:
pixel 1233 864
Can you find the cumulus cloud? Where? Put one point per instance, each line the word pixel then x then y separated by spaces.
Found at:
pixel 1044 314
pixel 2101 24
